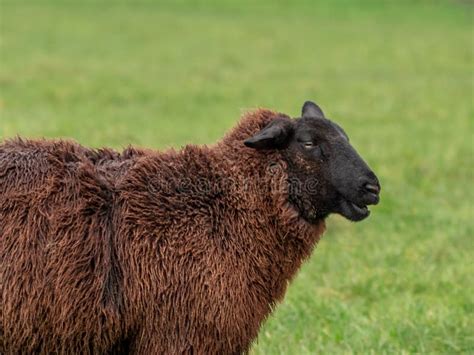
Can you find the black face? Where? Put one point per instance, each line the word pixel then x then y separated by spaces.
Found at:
pixel 326 175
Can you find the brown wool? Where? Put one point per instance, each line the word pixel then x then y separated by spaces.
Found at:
pixel 143 251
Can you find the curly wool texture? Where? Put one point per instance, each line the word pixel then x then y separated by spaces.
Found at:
pixel 145 252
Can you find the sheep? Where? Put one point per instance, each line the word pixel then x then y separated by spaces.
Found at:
pixel 168 252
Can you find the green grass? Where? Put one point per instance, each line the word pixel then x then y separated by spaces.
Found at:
pixel 398 76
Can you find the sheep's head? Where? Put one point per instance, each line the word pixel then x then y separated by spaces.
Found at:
pixel 325 173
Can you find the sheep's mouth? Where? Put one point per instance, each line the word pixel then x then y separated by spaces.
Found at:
pixel 353 211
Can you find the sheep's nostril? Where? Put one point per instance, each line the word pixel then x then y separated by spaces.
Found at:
pixel 375 189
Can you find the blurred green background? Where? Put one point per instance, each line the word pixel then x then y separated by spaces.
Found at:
pixel 397 75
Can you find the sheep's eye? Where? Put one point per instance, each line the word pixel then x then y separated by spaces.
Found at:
pixel 308 145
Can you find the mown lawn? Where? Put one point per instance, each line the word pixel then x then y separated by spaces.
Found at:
pixel 398 76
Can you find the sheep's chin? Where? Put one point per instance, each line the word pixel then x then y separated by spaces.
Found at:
pixel 352 211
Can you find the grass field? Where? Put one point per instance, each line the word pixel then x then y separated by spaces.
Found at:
pixel 398 76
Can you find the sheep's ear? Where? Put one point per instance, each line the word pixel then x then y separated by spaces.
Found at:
pixel 274 136
pixel 310 109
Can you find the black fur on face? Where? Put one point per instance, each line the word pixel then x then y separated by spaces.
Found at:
pixel 326 175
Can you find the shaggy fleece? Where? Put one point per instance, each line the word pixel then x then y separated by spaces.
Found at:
pixel 143 251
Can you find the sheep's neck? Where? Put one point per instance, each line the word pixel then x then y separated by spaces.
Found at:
pixel 277 239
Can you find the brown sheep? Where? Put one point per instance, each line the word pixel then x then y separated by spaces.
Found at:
pixel 167 252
